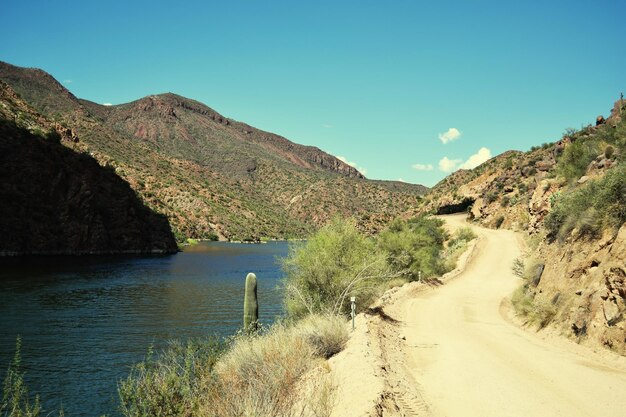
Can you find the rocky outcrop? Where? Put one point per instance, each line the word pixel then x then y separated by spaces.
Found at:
pixel 590 278
pixel 456 207
pixel 59 201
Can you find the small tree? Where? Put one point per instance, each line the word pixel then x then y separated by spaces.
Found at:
pixel 334 264
pixel 413 246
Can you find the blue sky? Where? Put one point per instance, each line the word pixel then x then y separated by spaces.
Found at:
pixel 381 84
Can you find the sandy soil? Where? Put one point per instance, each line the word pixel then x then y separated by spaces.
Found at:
pixel 456 350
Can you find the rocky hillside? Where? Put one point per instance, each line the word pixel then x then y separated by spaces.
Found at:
pixel 569 198
pixel 56 200
pixel 214 177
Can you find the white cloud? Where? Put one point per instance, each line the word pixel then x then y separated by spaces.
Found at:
pixel 478 158
pixel 447 165
pixel 327 126
pixel 107 104
pixel 450 135
pixel 423 167
pixel 352 164
pixel 401 180
pixel 67 81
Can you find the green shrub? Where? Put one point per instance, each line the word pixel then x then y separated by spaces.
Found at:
pixel 413 246
pixel 490 197
pixel 590 208
pixel 518 267
pixel 334 264
pixel 576 157
pixel 456 246
pixel 15 398
pixel 172 383
pixel 498 222
pixel 526 302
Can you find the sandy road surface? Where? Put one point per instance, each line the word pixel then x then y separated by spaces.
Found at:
pixel 454 353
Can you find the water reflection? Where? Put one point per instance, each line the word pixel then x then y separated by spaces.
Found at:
pixel 84 321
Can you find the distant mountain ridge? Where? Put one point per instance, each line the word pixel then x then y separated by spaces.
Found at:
pixel 214 177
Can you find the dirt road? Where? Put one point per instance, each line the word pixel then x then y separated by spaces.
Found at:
pixel 453 352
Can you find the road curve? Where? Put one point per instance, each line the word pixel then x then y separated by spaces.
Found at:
pixel 470 361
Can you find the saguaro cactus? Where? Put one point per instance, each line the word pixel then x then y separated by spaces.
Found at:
pixel 250 305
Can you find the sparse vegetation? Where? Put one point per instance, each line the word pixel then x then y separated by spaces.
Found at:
pixel 172 383
pixel 16 401
pixel 498 222
pixel 607 139
pixel 254 375
pixel 588 209
pixel 456 246
pixel 526 301
pixel 576 157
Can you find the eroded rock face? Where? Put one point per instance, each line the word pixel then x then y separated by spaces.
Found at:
pixel 540 203
pixel 592 277
pixel 56 200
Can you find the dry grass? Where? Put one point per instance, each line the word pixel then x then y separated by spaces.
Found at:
pixel 281 372
pixel 265 375
pixel 535 309
pixel 456 246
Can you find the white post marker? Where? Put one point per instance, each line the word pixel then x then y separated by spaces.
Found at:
pixel 419 274
pixel 353 306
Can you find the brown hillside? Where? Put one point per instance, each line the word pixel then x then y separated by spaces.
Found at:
pixel 212 176
pixel 59 201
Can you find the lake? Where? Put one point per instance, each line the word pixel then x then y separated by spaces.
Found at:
pixel 85 320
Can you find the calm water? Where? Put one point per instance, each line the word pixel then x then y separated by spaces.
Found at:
pixel 84 321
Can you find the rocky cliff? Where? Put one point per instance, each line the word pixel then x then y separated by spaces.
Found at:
pixel 56 200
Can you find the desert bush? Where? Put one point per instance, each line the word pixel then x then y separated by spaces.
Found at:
pixel 526 303
pixel 262 375
pixel 327 335
pixel 576 157
pixel 522 301
pixel 413 246
pixel 249 375
pixel 335 263
pixel 15 399
pixel 518 267
pixel 590 208
pixel 491 197
pixel 170 384
pixel 456 245
pixel 259 375
pixel 464 234
pixel 498 222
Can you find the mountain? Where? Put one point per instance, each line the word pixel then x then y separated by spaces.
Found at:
pixel 214 177
pixel 59 201
pixel 568 199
